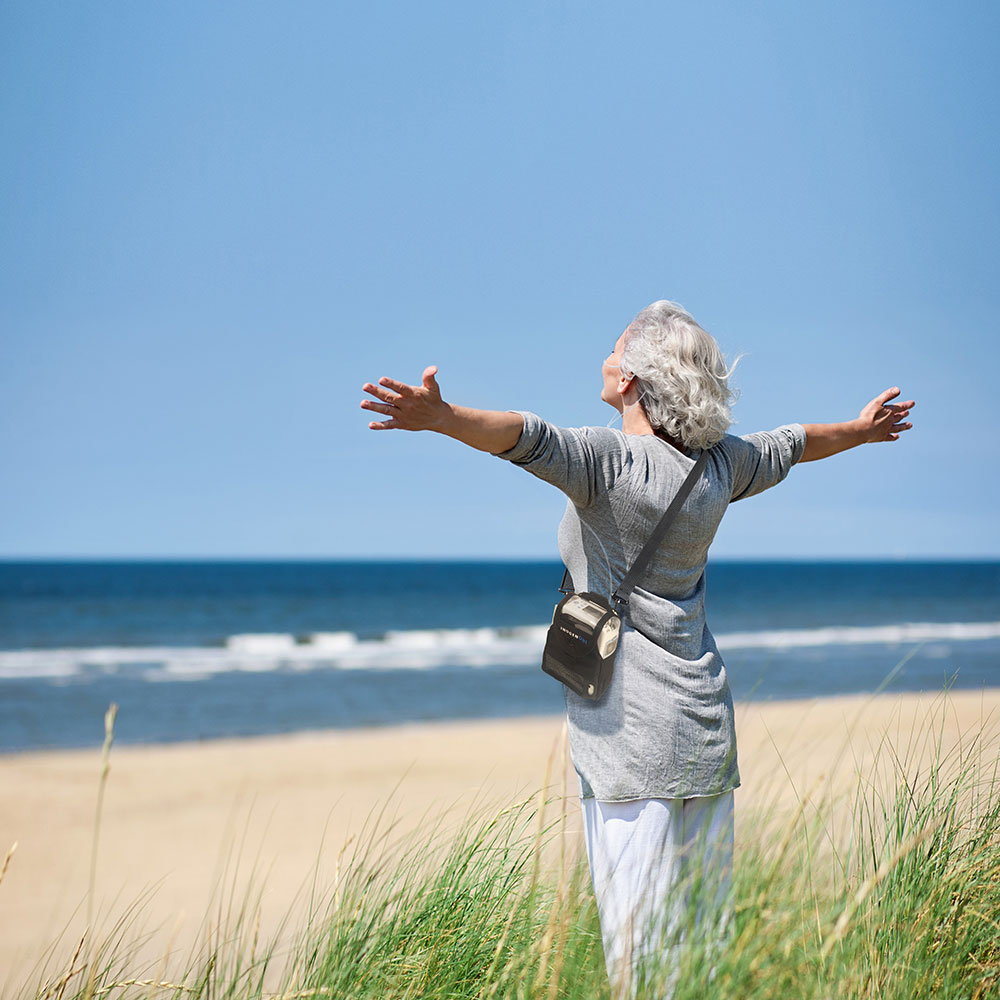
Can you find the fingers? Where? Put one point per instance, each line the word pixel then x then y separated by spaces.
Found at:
pixel 387 405
pixel 888 420
pixel 368 404
pixel 883 397
pixel 383 394
pixel 409 407
pixel 892 433
pixel 401 387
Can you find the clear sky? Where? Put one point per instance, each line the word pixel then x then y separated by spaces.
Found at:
pixel 219 220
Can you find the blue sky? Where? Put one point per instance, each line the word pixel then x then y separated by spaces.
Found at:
pixel 220 220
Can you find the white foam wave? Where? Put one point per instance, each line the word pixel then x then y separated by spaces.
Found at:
pixel 417 649
pixel 260 643
pixel 854 635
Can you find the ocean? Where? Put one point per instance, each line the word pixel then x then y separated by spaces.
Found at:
pixel 197 650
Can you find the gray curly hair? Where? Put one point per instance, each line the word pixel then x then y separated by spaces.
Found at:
pixel 683 373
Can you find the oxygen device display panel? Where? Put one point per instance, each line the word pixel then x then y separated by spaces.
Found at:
pixel 591 622
pixel 586 613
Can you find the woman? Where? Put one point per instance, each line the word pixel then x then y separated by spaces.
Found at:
pixel 656 755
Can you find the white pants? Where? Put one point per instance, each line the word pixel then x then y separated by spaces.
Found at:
pixel 650 861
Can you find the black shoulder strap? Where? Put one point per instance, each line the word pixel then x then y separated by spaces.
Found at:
pixel 621 595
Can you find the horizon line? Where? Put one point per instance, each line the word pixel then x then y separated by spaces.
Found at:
pixel 883 558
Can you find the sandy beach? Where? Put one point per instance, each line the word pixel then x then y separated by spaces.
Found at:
pixel 186 825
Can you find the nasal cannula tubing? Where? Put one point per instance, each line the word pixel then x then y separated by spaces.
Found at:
pixel 630 405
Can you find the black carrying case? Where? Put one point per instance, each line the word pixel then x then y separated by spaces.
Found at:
pixel 571 653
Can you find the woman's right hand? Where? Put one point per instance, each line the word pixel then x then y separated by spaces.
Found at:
pixel 409 407
pixel 881 420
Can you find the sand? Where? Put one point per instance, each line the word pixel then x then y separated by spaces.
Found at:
pixel 186 825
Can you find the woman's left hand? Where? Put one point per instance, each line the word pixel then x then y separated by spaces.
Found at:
pixel 421 408
pixel 409 407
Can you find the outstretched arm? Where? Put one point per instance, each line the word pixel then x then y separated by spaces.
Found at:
pixel 421 408
pixel 880 420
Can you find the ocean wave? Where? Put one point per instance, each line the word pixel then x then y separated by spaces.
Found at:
pixel 854 635
pixel 417 649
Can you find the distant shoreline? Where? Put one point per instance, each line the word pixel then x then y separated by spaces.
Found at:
pixel 386 729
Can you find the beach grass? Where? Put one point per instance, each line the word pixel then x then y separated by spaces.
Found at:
pixel 893 894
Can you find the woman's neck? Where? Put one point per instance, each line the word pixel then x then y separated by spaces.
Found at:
pixel 673 442
pixel 635 421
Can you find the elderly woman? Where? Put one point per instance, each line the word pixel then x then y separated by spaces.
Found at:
pixel 656 754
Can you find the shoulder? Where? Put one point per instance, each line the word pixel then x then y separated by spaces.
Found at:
pixel 600 440
pixel 730 445
pixel 604 438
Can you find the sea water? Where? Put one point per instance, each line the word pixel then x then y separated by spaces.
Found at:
pixel 201 650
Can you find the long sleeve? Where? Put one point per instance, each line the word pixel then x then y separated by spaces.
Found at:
pixel 583 462
pixel 762 460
